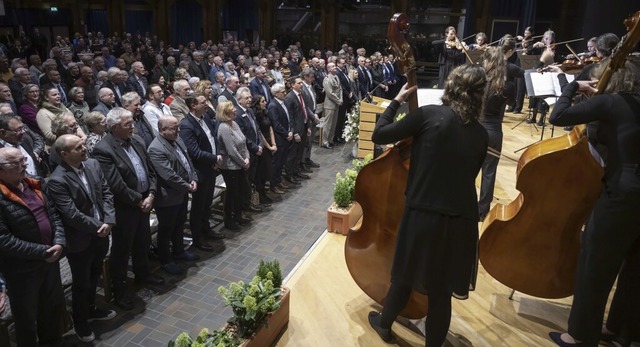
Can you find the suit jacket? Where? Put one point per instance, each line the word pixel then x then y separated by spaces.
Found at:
pixel 16 90
pixel 256 88
pixel 198 145
pixel 244 118
pixel 364 83
pixel 119 171
pixel 178 108
pixel 133 85
pixel 102 107
pixel 279 121
pixel 227 94
pixel 121 86
pixel 298 124
pixel 333 91
pixel 195 70
pixel 318 84
pixel 76 204
pixel 173 177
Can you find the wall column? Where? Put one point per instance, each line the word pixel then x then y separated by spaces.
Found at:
pixel 329 26
pixel 267 20
pixel 115 10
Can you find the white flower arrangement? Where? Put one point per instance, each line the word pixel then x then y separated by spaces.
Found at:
pixel 351 128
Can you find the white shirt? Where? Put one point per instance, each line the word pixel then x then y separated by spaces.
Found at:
pixel 153 112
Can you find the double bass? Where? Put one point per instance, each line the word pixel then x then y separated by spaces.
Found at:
pixel 531 245
pixel 379 191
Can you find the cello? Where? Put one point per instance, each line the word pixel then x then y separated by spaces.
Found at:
pixel 379 190
pixel 531 245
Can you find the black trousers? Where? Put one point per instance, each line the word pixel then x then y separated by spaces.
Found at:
pixel 489 168
pixel 279 160
pixel 342 118
pixel 37 304
pixel 264 170
pixel 86 267
pixel 130 236
pixel 295 155
pixel 611 239
pixel 520 92
pixel 171 221
pixel 201 201
pixel 234 180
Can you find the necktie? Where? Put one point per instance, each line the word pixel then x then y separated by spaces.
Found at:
pixel 313 97
pixel 183 159
pixel 267 97
pixel 144 90
pixel 304 109
pixel 63 96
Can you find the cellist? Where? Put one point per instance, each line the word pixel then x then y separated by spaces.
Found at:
pixel 438 235
pixel 610 244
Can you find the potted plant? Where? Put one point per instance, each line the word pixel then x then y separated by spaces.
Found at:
pixel 344 213
pixel 260 308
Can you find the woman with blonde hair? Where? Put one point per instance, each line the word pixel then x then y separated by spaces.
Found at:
pixel 235 163
pixel 204 87
pixel 51 107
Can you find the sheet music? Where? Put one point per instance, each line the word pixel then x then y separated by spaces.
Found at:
pixel 430 96
pixel 544 83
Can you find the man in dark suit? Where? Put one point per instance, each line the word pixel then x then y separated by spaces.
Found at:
pixel 123 158
pixel 300 128
pixel 31 242
pixel 176 179
pixel 310 101
pixel 280 121
pixel 81 195
pixel 199 135
pixel 365 80
pixel 12 134
pixel 55 80
pixel 137 82
pixel 250 128
pixel 21 78
pixel 259 85
pixel 116 84
pixel 347 95
pixel 198 67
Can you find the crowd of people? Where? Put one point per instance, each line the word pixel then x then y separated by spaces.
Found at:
pixel 95 137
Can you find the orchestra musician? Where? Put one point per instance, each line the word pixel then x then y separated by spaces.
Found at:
pixel 481 42
pixel 501 87
pixel 450 54
pixel 438 236
pixel 610 244
pixel 526 48
pixel 539 105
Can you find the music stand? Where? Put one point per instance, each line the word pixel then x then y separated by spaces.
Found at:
pixel 476 56
pixel 527 62
pixel 539 92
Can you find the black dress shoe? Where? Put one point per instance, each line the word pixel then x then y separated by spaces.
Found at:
pixel 540 123
pixel 293 181
pixel 125 302
pixel 233 226
pixel 203 246
pixel 556 337
pixel 517 111
pixel 530 121
pixel 303 176
pixel 152 280
pixel 569 128
pixel 265 200
pixel 214 235
pixel 252 208
pixel 327 146
pixel 313 164
pixel 374 321
pixel 242 221
pixel 305 169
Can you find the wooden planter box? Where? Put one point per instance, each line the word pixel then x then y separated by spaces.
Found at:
pixel 339 220
pixel 277 322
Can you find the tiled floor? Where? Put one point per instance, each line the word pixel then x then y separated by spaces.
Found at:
pixel 191 302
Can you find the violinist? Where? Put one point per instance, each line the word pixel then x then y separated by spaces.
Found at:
pixel 438 235
pixel 450 54
pixel 539 105
pixel 527 41
pixel 526 48
pixel 610 245
pixel 501 87
pixel 481 42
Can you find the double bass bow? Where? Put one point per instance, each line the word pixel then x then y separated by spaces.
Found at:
pixel 531 245
pixel 379 191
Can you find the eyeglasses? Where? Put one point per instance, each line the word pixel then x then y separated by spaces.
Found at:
pixel 18 130
pixel 15 162
pixel 73 128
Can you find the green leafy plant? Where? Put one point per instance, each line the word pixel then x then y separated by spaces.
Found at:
pixel 272 266
pixel 251 303
pixel 345 188
pixel 222 338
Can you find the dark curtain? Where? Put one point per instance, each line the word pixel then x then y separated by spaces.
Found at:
pixel 97 21
pixel 529 15
pixel 138 21
pixel 186 22
pixel 469 19
pixel 237 17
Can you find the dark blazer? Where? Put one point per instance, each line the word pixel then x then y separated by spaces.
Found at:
pixel 119 171
pixel 75 204
pixel 317 84
pixel 296 114
pixel 133 85
pixel 198 145
pixel 252 133
pixel 173 177
pixel 16 90
pixel 123 90
pixel 279 121
pixel 256 88
pixel 364 84
pixel 194 69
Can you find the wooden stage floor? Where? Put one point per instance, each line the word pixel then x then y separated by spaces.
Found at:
pixel 329 309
